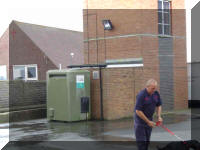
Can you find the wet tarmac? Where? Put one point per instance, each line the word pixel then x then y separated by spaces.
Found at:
pixel 116 133
pixel 117 130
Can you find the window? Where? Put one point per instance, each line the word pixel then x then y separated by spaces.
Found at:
pixel 164 26
pixel 25 72
pixel 3 72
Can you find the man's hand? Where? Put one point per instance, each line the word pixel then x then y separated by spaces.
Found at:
pixel 151 124
pixel 160 119
pixel 159 122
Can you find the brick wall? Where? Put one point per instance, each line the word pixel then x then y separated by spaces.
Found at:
pixel 95 96
pixel 120 87
pixel 180 74
pixel 109 44
pixel 22 94
pixel 4 94
pixel 19 95
pixel 180 62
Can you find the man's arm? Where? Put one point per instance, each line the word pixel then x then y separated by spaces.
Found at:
pixel 159 111
pixel 143 117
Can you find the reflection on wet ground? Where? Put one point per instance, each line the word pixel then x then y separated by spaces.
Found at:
pixel 42 130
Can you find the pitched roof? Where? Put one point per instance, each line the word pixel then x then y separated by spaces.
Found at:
pixel 57 44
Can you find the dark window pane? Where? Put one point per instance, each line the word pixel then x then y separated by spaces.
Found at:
pixel 166 18
pixel 159 17
pixel 160 29
pixel 31 72
pixel 166 7
pixel 159 6
pixel 167 29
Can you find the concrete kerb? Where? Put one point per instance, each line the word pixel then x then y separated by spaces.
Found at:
pixel 23 113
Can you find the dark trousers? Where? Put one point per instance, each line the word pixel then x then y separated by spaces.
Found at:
pixel 142 135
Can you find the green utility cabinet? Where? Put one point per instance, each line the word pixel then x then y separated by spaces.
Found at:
pixel 68 95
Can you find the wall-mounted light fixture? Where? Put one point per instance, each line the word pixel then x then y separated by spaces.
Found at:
pixel 107 25
pixel 72 55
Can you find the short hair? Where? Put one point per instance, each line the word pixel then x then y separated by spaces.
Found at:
pixel 151 82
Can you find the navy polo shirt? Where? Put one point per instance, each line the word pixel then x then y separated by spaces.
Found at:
pixel 147 104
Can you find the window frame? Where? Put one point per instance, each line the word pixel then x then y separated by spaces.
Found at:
pixel 26 71
pixel 163 12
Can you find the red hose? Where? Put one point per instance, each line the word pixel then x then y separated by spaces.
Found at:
pixel 159 123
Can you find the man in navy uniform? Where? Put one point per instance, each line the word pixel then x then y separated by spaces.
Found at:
pixel 147 101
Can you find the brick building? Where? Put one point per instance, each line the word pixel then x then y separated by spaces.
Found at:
pixel 38 49
pixel 151 33
pixel 27 52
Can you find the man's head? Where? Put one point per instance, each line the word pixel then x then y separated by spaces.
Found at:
pixel 151 86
